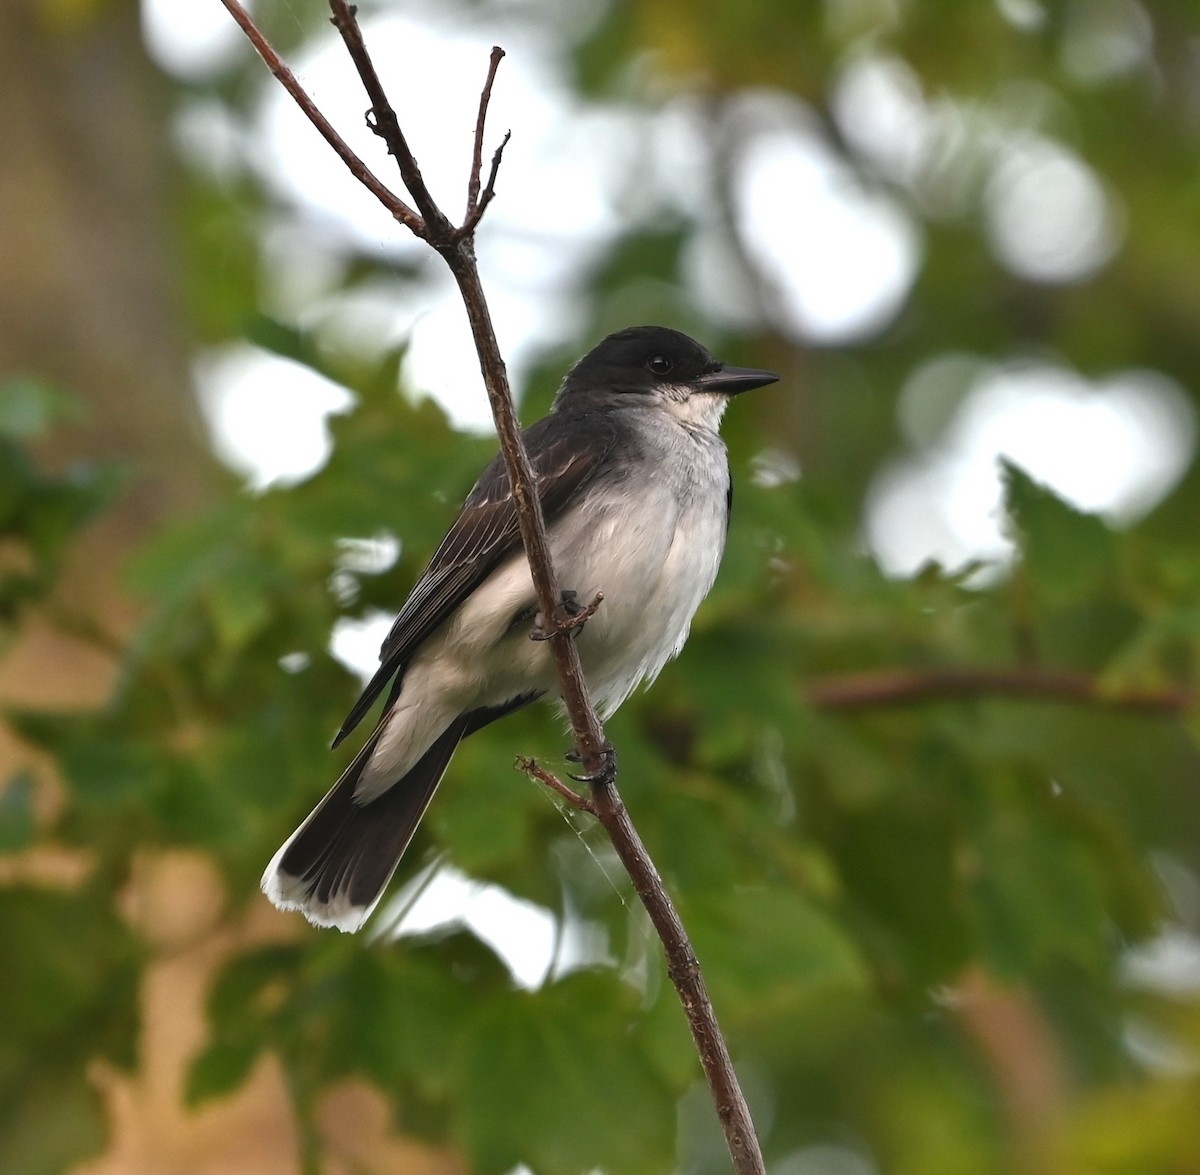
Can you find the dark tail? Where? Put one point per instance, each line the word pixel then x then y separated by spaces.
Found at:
pixel 336 865
pixel 338 862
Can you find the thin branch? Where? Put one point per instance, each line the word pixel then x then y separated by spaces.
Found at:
pixel 584 723
pixel 485 99
pixel 909 687
pixel 489 192
pixel 534 770
pixel 456 245
pixel 581 618
pixel 387 125
pixel 361 172
pixel 684 970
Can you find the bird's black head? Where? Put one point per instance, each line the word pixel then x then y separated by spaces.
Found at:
pixel 656 362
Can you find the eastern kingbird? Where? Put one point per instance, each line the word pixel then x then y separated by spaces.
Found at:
pixel 635 488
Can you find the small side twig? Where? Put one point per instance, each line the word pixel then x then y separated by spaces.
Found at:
pixel 578 621
pixel 489 192
pixel 534 770
pixel 570 622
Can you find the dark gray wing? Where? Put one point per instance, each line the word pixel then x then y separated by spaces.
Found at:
pixel 565 453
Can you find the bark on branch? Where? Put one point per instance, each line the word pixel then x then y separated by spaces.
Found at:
pixel 456 245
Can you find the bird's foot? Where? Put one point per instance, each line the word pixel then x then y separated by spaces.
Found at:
pixel 607 772
pixel 577 615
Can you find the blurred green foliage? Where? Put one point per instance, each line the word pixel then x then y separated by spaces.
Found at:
pixel 847 872
pixel 40 514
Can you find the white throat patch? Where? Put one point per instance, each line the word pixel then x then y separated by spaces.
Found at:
pixel 697 409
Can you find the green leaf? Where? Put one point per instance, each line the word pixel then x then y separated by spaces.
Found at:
pixel 240 605
pixel 1037 896
pixel 16 813
pixel 221 1068
pixel 29 408
pixel 485 809
pixel 1067 553
pixel 51 1123
pixel 771 950
pixel 555 1080
pixel 244 1010
pixel 401 1020
pixel 174 561
pixel 71 972
pixel 109 772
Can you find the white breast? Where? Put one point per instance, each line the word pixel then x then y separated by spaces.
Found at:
pixel 654 555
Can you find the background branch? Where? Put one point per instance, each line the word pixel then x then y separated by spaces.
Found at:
pixel 456 245
pixel 909 687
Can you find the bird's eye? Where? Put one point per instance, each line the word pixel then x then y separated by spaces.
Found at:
pixel 660 364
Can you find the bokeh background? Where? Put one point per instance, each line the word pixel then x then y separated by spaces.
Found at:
pixel 925 782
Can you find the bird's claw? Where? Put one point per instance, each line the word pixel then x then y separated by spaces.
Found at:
pixel 607 772
pixel 570 605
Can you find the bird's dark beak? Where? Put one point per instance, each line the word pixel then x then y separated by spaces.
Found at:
pixel 734 380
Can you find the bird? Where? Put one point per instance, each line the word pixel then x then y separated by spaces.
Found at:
pixel 635 487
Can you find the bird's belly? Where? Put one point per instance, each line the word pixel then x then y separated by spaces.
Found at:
pixel 654 566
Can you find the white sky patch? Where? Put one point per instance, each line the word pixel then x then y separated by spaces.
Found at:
pixel 722 284
pixel 369 556
pixel 523 934
pixel 193 41
pixel 433 76
pixel 1115 447
pixel 1028 15
pixel 302 265
pixel 211 140
pixel 267 415
pixel 775 467
pixel 1158 1050
pixel 1168 965
pixel 1048 216
pixel 939 150
pixel 1105 39
pixel 842 258
pixel 428 320
pixel 356 643
pixel 881 109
